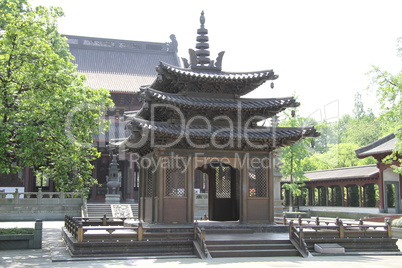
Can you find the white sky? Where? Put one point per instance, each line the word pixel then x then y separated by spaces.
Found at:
pixel 320 49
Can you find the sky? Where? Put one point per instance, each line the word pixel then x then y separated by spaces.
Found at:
pixel 322 50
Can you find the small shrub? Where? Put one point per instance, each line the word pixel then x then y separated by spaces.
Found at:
pixel 397 223
pixel 11 231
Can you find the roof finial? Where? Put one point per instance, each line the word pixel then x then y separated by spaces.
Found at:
pixel 202 19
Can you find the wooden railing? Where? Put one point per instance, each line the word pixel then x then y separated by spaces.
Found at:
pixel 297 236
pixel 90 229
pixel 300 230
pixel 199 236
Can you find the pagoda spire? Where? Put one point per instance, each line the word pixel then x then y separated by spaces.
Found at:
pixel 199 59
pixel 202 45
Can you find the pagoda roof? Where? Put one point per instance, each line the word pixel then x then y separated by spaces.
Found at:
pixel 268 137
pixel 246 103
pixel 268 107
pixel 247 81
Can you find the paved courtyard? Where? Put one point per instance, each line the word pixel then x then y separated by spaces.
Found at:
pixel 54 254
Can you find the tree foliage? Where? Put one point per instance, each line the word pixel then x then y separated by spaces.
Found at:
pixel 47 115
pixel 388 88
pixel 292 156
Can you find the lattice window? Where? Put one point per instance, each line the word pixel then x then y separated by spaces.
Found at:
pixel 257 183
pixel 175 178
pixel 149 183
pixel 223 182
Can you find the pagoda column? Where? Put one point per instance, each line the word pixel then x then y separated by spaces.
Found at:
pixel 190 188
pixel 270 176
pixel 244 190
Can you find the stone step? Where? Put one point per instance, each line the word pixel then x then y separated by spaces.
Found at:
pixel 254 253
pixel 252 241
pixel 249 247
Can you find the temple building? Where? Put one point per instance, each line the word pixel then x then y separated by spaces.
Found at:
pixel 199 145
pixel 121 66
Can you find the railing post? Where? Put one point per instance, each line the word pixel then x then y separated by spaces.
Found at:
pixel 80 232
pixel 389 227
pixel 202 236
pixel 16 196
pixel 301 237
pixel 39 196
pixel 317 220
pixel 299 218
pixel 284 220
pixel 337 221
pixel 290 229
pixel 140 232
pixel 104 220
pixel 341 229
pixel 195 230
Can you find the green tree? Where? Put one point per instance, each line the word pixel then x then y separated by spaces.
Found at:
pixel 292 158
pixel 388 87
pixel 47 115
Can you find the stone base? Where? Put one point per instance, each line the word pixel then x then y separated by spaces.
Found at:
pixel 112 199
pixel 329 248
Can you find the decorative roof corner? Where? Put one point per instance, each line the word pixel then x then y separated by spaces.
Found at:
pixel 199 58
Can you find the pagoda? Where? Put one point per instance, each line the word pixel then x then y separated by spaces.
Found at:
pixel 197 139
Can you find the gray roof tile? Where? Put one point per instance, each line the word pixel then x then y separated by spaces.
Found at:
pixel 118 65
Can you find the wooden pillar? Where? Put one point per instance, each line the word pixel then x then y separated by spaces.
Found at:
pixel 311 196
pixel 270 178
pixel 381 189
pixel 190 189
pixel 160 192
pixel 244 188
pixel 342 195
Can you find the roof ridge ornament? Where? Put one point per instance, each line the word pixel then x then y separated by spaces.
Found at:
pixel 199 58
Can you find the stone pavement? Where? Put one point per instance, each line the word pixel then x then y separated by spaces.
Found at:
pixel 54 254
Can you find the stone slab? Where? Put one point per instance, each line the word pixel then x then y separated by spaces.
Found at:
pixel 121 210
pixel 330 248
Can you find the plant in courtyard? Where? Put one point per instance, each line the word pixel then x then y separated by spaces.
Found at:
pixel 47 115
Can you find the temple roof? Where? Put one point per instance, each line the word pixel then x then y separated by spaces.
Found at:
pixel 380 147
pixel 256 107
pixel 119 65
pixel 259 138
pixel 276 104
pixel 173 79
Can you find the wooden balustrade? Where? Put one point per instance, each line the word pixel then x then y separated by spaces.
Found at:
pixel 86 229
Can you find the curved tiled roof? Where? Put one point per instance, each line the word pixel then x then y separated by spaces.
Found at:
pixel 256 133
pixel 257 138
pixel 384 145
pixel 219 76
pixel 170 77
pixel 272 104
